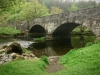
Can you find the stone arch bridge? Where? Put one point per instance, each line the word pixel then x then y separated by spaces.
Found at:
pixel 65 22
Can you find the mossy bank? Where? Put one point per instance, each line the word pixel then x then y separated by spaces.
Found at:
pixel 84 61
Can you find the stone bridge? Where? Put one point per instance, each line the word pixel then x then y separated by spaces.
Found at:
pixel 64 23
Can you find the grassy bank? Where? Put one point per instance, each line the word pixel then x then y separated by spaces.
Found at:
pixel 8 31
pixel 84 61
pixel 23 67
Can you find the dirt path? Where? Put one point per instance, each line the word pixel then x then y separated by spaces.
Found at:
pixel 54 65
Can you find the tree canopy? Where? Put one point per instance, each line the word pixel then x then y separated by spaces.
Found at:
pixel 33 9
pixel 73 8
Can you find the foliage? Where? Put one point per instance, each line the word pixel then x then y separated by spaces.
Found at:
pixel 89 44
pixel 33 9
pixel 13 17
pixel 2 21
pixel 55 10
pixel 45 59
pixel 73 8
pixel 12 6
pixel 8 30
pixel 81 30
pixel 39 39
pixel 10 9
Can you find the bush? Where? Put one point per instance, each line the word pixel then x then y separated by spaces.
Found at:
pixel 89 44
pixel 13 17
pixel 8 30
pixel 39 39
pixel 45 59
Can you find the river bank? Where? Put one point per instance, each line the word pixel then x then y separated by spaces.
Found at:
pixel 84 61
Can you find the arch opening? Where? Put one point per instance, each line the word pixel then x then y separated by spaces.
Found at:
pixel 37 31
pixel 64 29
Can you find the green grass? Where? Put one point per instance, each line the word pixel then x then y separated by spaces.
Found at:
pixel 84 61
pixel 39 39
pixel 23 67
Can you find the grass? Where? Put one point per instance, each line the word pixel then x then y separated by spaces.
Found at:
pixel 23 67
pixel 84 61
pixel 8 30
pixel 39 39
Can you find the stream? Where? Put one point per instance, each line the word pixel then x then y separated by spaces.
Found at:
pixel 53 47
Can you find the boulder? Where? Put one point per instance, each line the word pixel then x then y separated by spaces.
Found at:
pixel 4 46
pixel 14 48
pixel 28 56
pixel 2 50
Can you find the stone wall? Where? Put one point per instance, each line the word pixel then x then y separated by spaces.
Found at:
pixel 90 18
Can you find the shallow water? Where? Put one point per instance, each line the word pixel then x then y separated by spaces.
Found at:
pixel 54 47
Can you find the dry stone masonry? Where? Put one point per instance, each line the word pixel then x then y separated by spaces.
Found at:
pixel 90 18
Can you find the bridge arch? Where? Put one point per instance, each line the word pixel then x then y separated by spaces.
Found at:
pixel 37 31
pixel 64 29
pixel 89 18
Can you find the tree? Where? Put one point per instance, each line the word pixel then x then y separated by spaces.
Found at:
pixel 55 10
pixel 9 9
pixel 33 9
pixel 73 8
pixel 11 5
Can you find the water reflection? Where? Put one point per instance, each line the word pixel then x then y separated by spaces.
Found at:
pixel 55 47
pixel 60 47
pixel 80 41
pixel 52 48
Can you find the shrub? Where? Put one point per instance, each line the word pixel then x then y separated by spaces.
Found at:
pixel 8 30
pixel 45 59
pixel 39 39
pixel 89 44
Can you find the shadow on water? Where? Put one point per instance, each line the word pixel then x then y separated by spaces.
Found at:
pixel 61 46
pixel 52 48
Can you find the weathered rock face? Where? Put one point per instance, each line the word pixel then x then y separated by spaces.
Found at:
pixel 14 47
